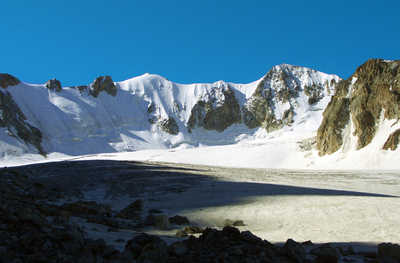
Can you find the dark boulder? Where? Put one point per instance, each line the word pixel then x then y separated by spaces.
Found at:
pixel 389 250
pixel 181 233
pixel 130 212
pixel 231 230
pixel 326 253
pixel 155 252
pixel 249 237
pixel 143 239
pixel 178 248
pixel 72 233
pixel 87 208
pixel 180 220
pixel 162 222
pixel 294 251
pixel 193 230
pixel 125 256
pixel 228 222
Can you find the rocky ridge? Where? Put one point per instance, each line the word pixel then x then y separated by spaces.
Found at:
pixel 103 84
pixel 273 105
pixel 359 103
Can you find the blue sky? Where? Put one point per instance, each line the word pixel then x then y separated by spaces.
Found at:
pixel 190 41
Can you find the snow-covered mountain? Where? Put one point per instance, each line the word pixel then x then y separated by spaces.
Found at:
pixel 151 112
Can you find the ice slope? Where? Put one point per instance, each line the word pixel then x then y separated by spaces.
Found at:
pixel 75 123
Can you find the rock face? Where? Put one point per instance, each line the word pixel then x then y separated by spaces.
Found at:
pixel 8 80
pixel 393 141
pixel 336 116
pixel 216 110
pixel 372 92
pixel 53 84
pixel 169 125
pixel 259 109
pixel 99 84
pixel 13 118
pixel 103 84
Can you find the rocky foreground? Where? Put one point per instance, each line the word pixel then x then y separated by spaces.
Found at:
pixel 36 224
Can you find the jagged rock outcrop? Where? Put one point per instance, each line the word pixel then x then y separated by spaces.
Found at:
pixel 372 90
pixel 150 113
pixel 314 93
pixel 8 80
pixel 53 84
pixel 99 84
pixel 216 110
pixel 14 119
pixel 103 84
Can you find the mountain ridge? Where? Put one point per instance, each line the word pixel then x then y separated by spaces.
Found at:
pixel 291 117
pixel 151 112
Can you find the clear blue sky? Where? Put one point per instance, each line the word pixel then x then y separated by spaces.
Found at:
pixel 190 41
